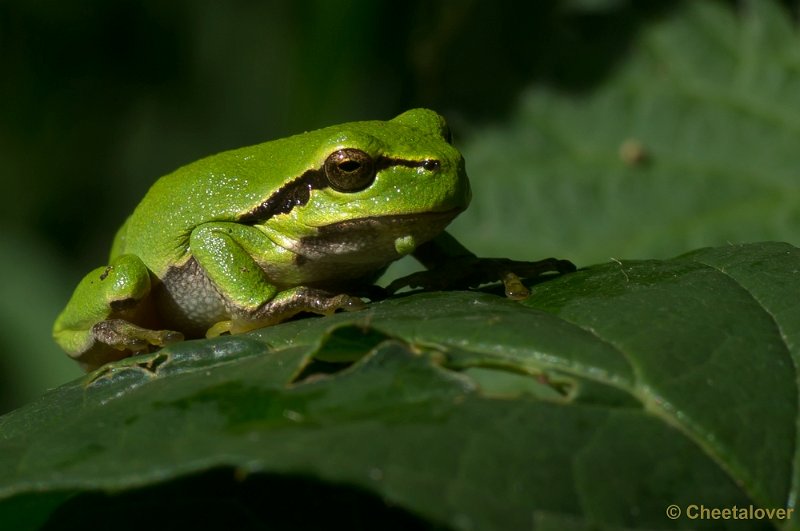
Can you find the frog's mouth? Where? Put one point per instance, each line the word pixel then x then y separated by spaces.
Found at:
pixel 390 221
pixel 374 238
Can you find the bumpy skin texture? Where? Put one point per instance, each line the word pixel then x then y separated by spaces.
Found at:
pixel 252 236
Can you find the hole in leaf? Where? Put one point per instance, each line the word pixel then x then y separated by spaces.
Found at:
pixel 317 369
pixel 340 349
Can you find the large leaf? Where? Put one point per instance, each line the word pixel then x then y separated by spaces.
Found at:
pixel 691 143
pixel 608 395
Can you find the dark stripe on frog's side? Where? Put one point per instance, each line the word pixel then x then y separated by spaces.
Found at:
pixel 291 194
pixel 298 191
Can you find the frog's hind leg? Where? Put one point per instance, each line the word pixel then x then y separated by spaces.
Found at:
pixel 286 305
pixel 106 317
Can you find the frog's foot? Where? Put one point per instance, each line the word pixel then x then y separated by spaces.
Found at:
pixel 471 272
pixel 286 305
pixel 123 335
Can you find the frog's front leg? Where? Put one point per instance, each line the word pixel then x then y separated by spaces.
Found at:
pixel 106 317
pixel 229 254
pixel 452 266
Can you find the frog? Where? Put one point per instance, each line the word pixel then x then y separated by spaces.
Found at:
pixel 254 236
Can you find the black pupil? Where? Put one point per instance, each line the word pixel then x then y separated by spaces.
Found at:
pixel 431 165
pixel 349 166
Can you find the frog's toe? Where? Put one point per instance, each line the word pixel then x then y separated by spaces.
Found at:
pixel 514 287
pixel 347 303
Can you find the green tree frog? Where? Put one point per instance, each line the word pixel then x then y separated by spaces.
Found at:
pixel 250 237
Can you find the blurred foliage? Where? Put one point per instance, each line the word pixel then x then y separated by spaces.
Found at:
pixel 100 98
pixel 691 142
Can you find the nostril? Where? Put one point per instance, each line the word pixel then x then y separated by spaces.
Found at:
pixel 431 165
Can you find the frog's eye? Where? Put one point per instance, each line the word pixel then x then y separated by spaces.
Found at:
pixel 349 170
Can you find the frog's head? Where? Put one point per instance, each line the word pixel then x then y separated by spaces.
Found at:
pixel 403 166
pixel 374 184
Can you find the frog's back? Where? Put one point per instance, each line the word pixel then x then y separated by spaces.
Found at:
pixel 221 187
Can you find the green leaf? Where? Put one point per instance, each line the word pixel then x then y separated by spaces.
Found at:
pixel 692 142
pixel 608 395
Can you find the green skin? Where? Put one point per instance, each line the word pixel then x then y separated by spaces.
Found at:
pixel 250 237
